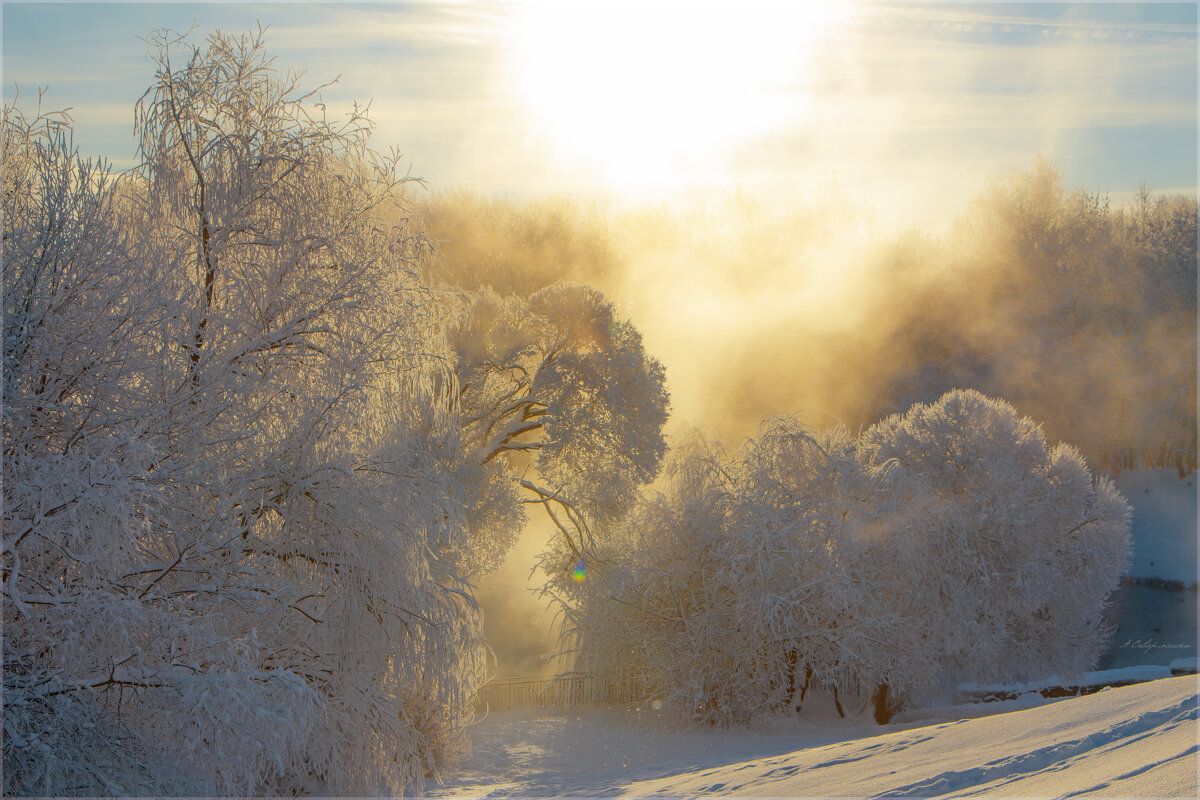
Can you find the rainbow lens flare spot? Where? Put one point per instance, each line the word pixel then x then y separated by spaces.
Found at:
pixel 579 574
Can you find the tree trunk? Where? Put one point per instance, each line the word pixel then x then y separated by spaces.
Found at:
pixel 791 676
pixel 885 706
pixel 808 676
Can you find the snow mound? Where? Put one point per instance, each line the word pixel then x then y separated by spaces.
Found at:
pixel 1133 741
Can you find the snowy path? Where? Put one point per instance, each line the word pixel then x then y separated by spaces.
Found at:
pixel 1135 741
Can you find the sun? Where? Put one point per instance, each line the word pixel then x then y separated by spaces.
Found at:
pixel 657 95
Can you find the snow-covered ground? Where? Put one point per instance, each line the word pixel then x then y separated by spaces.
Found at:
pixel 1136 741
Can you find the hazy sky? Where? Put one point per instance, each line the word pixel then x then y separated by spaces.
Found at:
pixel 911 107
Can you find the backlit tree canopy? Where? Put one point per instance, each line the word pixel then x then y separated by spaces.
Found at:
pixel 558 393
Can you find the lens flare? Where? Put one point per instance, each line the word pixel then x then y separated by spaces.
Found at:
pixel 579 574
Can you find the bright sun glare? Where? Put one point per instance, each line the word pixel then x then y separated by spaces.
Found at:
pixel 652 96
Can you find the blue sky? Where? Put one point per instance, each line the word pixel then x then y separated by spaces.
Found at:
pixel 912 106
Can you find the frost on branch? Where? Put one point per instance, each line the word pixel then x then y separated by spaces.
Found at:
pixel 61 744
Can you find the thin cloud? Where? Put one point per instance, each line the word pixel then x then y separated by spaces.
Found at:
pixel 894 94
pixel 941 17
pixel 420 26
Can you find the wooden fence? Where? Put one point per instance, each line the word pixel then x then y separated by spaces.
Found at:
pixel 557 691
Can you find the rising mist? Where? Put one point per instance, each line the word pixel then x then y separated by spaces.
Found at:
pixel 1080 314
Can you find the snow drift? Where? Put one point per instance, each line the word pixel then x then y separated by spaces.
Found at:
pixel 1133 741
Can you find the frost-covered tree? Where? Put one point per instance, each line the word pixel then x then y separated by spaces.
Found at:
pixel 251 456
pixel 232 472
pixel 76 314
pixel 1007 547
pixel 1070 298
pixel 561 406
pixel 733 592
pixel 946 544
pixel 655 602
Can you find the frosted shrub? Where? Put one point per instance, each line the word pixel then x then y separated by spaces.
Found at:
pixel 1010 546
pixel 656 605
